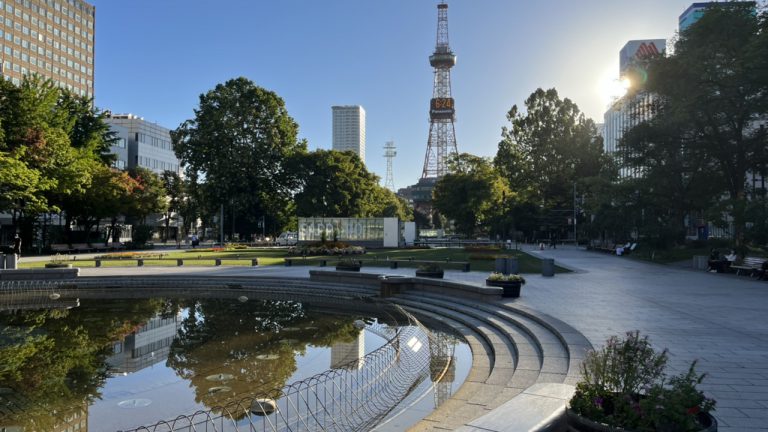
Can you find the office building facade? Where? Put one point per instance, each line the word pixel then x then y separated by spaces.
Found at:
pixel 635 106
pixel 148 144
pixel 349 129
pixel 696 10
pixel 51 38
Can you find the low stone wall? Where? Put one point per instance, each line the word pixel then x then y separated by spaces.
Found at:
pixel 40 274
pixel 392 285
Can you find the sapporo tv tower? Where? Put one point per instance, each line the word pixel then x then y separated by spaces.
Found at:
pixel 442 135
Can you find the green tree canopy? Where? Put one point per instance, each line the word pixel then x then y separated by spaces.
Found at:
pixel 239 144
pixel 338 184
pixel 712 92
pixel 472 195
pixel 547 147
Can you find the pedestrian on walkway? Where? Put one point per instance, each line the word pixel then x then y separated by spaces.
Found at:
pixel 17 246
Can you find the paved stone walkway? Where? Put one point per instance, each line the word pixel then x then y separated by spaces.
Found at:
pixel 719 320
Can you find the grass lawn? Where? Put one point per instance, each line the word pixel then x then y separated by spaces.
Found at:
pixel 479 261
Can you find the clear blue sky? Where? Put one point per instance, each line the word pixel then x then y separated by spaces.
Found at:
pixel 155 57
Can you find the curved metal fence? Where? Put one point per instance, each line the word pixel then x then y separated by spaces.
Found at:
pixel 345 399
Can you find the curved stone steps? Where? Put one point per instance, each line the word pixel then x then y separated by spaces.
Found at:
pixel 555 354
pixel 515 363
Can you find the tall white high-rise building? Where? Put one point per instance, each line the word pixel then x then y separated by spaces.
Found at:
pixel 349 129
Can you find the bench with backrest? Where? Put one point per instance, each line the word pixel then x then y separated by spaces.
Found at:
pixel 60 248
pixel 81 247
pixel 750 265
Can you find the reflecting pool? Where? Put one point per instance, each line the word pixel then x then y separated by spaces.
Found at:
pixel 119 364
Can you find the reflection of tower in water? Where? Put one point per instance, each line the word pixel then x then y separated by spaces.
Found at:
pixel 348 355
pixel 442 365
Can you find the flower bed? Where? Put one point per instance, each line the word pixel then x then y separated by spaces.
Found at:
pixel 130 255
pixel 331 248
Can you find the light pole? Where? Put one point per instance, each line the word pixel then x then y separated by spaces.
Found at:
pixel 575 238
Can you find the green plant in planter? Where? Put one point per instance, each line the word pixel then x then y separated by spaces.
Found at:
pixel 500 277
pixel 348 262
pixel 57 261
pixel 624 386
pixel 431 268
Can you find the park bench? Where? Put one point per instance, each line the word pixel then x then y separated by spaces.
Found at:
pixel 98 247
pixel 749 265
pixel 115 246
pixel 81 247
pixel 61 248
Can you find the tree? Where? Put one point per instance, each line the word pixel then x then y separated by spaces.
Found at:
pixel 677 176
pixel 338 184
pixel 112 193
pixel 546 152
pixel 713 89
pixel 241 141
pixel 547 148
pixel 174 190
pixel 472 195
pixel 148 196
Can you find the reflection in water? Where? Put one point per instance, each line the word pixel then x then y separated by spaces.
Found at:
pixel 118 364
pixel 53 361
pixel 57 364
pixel 348 355
pixel 442 365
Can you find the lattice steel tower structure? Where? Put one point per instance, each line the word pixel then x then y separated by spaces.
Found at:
pixel 389 153
pixel 442 135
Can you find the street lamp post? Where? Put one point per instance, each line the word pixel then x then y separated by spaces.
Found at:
pixel 575 238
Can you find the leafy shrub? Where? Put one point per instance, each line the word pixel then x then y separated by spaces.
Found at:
pixel 431 267
pixel 506 278
pixel 141 234
pixel 348 262
pixel 624 385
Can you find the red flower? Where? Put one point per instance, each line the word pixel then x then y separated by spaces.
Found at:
pixel 694 410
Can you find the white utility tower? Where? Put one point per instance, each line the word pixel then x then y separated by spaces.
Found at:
pixel 389 153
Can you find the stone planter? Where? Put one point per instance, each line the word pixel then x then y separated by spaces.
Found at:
pixel 577 423
pixel 429 274
pixel 511 288
pixel 58 265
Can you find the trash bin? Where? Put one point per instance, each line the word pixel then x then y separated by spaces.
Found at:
pixel 548 267
pixel 501 265
pixel 512 266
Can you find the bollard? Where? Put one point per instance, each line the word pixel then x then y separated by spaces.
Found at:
pixel 288 262
pixel 97 263
pixel 179 262
pixel 139 263
pixel 548 267
pixel 393 264
pixel 218 262
pixel 323 263
pixel 254 262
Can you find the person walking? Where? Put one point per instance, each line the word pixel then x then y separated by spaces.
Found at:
pixel 17 246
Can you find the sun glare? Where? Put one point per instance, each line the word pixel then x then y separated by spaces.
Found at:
pixel 611 87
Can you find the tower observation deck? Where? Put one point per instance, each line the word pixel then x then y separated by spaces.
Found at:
pixel 442 114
